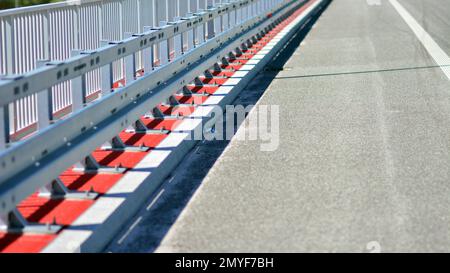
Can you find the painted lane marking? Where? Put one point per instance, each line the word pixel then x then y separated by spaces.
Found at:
pixel 439 56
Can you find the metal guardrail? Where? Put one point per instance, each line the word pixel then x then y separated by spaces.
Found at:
pixel 51 32
pixel 171 55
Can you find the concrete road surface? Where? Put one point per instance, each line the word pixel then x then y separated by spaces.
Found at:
pixel 364 157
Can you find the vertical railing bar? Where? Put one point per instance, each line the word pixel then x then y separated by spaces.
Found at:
pixel 9 115
pixel 4 127
pixel 167 14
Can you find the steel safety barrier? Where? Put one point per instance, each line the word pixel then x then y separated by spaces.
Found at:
pixel 136 68
pixel 29 35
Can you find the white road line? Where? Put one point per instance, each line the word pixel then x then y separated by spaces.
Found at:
pixel 129 230
pixel 156 198
pixel 439 56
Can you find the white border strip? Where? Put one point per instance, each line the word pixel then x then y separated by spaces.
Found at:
pixel 439 56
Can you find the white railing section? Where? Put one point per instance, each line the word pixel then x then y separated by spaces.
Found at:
pixel 155 64
pixel 53 31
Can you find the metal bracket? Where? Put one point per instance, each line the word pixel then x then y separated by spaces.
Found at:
pixel 14 222
pixel 90 165
pixel 57 190
pixel 231 57
pixel 117 145
pixel 155 114
pixel 226 63
pixel 198 82
pixel 186 91
pixel 173 101
pixel 202 94
pixel 238 52
pixel 244 47
pixel 217 67
pixel 208 75
pixel 140 128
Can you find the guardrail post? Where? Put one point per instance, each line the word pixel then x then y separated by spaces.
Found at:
pixel 200 35
pixel 226 21
pixel 232 18
pixel 107 76
pixel 163 48
pixel 178 42
pixel 130 64
pixel 190 36
pixel 44 103
pixel 148 55
pixel 4 127
pixel 210 25
pixel 240 15
pixel 78 89
pixel 247 10
pixel 217 25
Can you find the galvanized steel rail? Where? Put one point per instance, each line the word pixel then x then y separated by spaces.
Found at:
pixel 155 64
pixel 52 32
